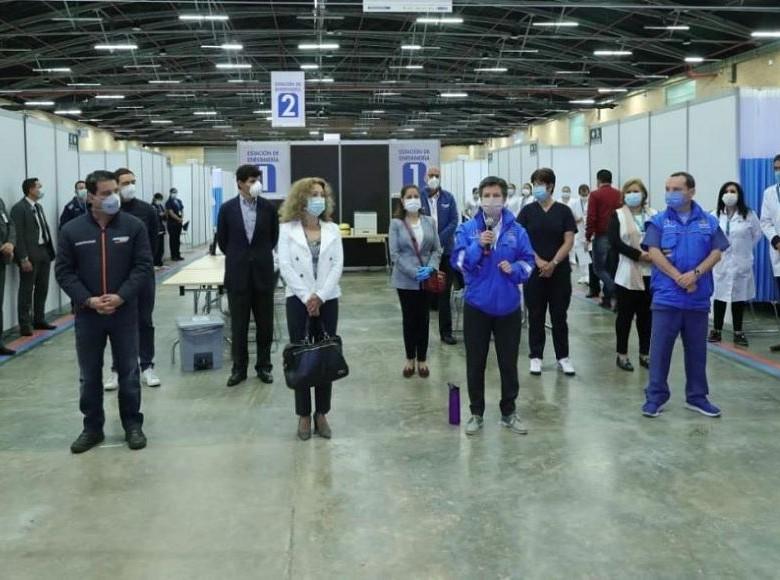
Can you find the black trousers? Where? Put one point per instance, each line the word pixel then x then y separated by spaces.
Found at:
pixel 146 297
pixel 174 231
pixel 2 298
pixel 33 288
pixel 159 251
pixel 296 326
pixel 259 304
pixel 477 330
pixel 633 304
pixel 92 332
pixel 416 317
pixel 737 314
pixel 443 299
pixel 553 293
pixel 594 284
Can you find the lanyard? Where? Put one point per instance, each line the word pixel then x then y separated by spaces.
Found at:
pixel 640 224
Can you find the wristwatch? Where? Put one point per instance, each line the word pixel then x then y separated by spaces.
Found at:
pixel 555 262
pixel 697 272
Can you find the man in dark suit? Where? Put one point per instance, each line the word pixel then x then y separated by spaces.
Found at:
pixel 34 254
pixel 247 232
pixel 7 244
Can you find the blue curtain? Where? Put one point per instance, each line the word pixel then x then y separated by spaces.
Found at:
pixel 755 176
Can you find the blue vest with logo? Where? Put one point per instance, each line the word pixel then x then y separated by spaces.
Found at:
pixel 685 245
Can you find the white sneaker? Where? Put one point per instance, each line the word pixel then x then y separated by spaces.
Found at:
pixel 564 365
pixel 583 280
pixel 111 382
pixel 149 378
pixel 536 366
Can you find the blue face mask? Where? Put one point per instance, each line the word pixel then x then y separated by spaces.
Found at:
pixel 675 199
pixel 315 206
pixel 633 199
pixel 777 177
pixel 540 193
pixel 111 204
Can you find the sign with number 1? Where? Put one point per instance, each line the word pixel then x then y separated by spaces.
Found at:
pixel 288 105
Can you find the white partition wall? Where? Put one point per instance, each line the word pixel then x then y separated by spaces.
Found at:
pixel 166 177
pixel 713 148
pixel 67 174
pixel 158 167
pixel 668 150
pixel 571 166
pixel 503 163
pixel 135 162
pixel 544 156
pixel 193 182
pixel 606 155
pixel 515 173
pixel 146 179
pixel 634 150
pixel 529 163
pixel 116 159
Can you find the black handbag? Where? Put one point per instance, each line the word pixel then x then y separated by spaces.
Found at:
pixel 314 361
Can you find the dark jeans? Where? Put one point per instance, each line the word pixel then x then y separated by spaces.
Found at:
pixel 602 266
pixel 174 231
pixel 737 314
pixel 477 329
pixel 416 316
pixel 553 293
pixel 630 304
pixel 92 332
pixel 146 296
pixel 296 326
pixel 442 301
pixel 594 284
pixel 33 288
pixel 159 251
pixel 260 304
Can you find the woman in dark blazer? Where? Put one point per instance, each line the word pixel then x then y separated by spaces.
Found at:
pixel 415 252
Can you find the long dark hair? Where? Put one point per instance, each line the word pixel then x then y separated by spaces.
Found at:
pixel 400 211
pixel 742 208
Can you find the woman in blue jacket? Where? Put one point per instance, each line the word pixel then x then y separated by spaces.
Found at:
pixel 494 254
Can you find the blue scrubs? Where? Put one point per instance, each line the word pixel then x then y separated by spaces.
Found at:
pixel 685 243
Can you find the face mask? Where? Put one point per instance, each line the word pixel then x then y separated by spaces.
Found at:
pixel 412 205
pixel 634 198
pixel 540 193
pixel 584 195
pixel 127 192
pixel 256 189
pixel 40 193
pixel 511 192
pixel 675 199
pixel 315 206
pixel 434 182
pixel 730 199
pixel 492 207
pixel 777 177
pixel 110 205
pixel 526 192
pixel 81 193
pixel 566 197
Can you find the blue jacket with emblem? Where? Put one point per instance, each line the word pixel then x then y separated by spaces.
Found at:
pixel 447 216
pixel 488 288
pixel 74 209
pixel 685 245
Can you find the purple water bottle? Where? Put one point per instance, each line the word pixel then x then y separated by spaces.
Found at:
pixel 454 404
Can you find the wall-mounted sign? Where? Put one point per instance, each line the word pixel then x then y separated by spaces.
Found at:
pixel 595 135
pixel 533 148
pixel 288 99
pixel 73 141
pixel 410 161
pixel 438 6
pixel 272 158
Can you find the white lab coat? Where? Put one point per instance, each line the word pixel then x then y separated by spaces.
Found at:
pixel 733 275
pixel 472 207
pixel 770 222
pixel 297 268
pixel 579 208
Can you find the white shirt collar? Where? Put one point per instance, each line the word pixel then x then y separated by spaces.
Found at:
pixel 31 202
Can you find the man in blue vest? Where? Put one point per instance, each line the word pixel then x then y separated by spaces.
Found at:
pixel 440 205
pixel 684 243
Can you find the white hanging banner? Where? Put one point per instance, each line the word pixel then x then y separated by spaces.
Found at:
pixel 410 161
pixel 438 6
pixel 273 160
pixel 288 99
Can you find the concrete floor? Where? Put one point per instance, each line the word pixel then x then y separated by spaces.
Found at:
pixel 224 489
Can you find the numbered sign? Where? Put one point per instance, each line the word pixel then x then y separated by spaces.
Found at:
pixel 288 106
pixel 415 173
pixel 268 177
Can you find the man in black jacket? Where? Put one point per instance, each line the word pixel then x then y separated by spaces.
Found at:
pixel 77 205
pixel 247 232
pixel 148 215
pixel 7 244
pixel 34 254
pixel 103 263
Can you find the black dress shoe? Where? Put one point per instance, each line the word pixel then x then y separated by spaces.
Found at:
pixel 25 331
pixel 44 326
pixel 135 438
pixel 592 295
pixel 86 441
pixel 625 364
pixel 448 339
pixel 265 376
pixel 235 378
pixel 644 361
pixel 5 351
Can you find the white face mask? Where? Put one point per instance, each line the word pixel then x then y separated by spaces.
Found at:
pixel 730 199
pixel 492 206
pixel 81 193
pixel 412 205
pixel 434 182
pixel 127 192
pixel 511 192
pixel 256 189
pixel 526 192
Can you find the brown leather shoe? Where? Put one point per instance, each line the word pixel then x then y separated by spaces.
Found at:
pixel 321 426
pixel 423 371
pixel 304 428
pixel 408 371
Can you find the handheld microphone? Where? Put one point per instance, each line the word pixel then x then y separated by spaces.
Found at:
pixel 489 222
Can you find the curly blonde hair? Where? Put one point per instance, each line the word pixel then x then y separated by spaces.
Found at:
pixel 294 207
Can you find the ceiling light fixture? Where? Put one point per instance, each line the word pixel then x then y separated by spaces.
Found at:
pixel 62 69
pixel 310 66
pixel 139 66
pixel 694 59
pixel 651 76
pixel 670 27
pixel 765 34
pixel 84 84
pixel 68 112
pixel 204 17
pixel 453 95
pixel 161 122
pixel 556 24
pixel 164 82
pixel 226 46
pixel 204 113
pixel 442 20
pixel 522 50
pixel 116 46
pixel 39 103
pixel 262 112
pixel 131 107
pixel 318 46
pixel 180 95
pixel 187 132
pixel 495 69
pixel 107 97
pixel 411 47
pixel 572 72
pixel 612 53
pixel 322 80
pixel 78 19
pixel 233 65
pixel 582 102
pixel 605 91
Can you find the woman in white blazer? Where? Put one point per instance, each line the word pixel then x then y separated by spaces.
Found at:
pixel 415 252
pixel 632 278
pixel 311 260
pixel 733 275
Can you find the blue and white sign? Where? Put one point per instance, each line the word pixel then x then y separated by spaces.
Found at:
pixel 272 158
pixel 288 99
pixel 410 161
